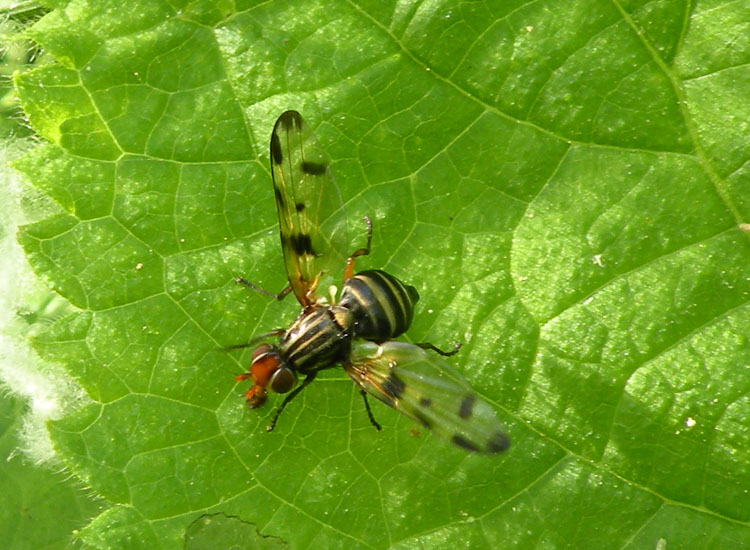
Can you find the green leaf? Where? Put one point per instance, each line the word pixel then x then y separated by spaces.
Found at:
pixel 219 531
pixel 40 508
pixel 566 185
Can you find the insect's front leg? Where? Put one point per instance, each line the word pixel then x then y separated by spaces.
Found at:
pixel 254 341
pixel 280 296
pixel 309 378
pixel 349 272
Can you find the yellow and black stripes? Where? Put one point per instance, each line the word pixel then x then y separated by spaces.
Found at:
pixel 373 305
pixel 382 306
pixel 316 340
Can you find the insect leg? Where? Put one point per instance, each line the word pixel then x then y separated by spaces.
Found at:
pixel 277 332
pixel 427 345
pixel 349 272
pixel 369 411
pixel 309 378
pixel 256 288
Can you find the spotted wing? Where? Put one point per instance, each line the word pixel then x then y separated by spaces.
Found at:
pixel 311 221
pixel 421 385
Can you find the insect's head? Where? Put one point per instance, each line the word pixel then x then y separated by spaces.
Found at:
pixel 268 371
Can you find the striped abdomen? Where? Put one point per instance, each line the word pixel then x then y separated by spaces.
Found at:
pixel 381 305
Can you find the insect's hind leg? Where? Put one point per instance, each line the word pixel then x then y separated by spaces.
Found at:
pixel 309 378
pixel 349 272
pixel 280 296
pixel 369 411
pixel 427 345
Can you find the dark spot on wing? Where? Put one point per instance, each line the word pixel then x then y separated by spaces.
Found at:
pixel 300 206
pixel 277 156
pixel 498 443
pixel 279 197
pixel 464 443
pixel 425 402
pixel 467 406
pixel 301 244
pixel 394 386
pixel 313 168
pixel 422 419
pixel 289 120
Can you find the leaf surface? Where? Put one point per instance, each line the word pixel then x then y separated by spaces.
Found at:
pixel 565 183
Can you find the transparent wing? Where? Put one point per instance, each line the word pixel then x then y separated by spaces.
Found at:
pixel 423 386
pixel 311 217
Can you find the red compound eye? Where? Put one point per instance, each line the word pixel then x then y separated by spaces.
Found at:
pixel 261 350
pixel 283 380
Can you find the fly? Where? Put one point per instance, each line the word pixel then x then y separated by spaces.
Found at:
pixel 356 329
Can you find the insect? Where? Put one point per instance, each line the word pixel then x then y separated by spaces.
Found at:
pixel 356 328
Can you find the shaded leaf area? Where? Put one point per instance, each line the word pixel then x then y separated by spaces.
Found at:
pixel 41 508
pixel 565 183
pixel 220 531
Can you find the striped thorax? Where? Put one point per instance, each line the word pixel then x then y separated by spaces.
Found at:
pixel 318 337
